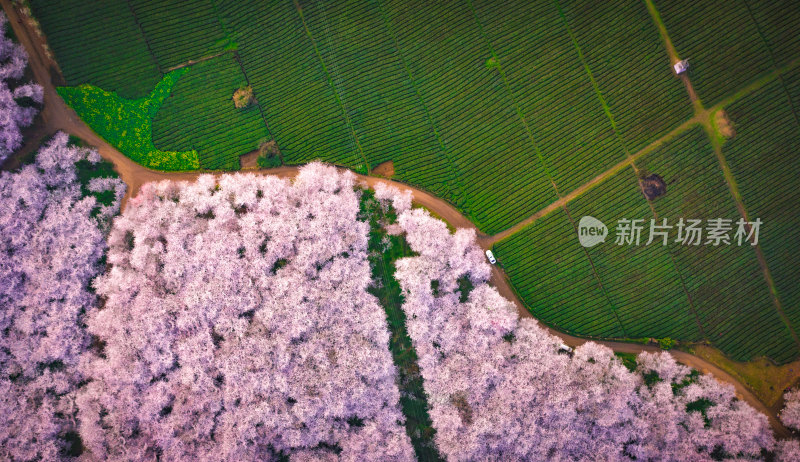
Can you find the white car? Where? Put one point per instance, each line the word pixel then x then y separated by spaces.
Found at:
pixel 490 256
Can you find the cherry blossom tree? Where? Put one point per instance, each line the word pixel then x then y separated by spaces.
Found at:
pixel 50 242
pixel 500 389
pixel 790 415
pixel 238 326
pixel 16 97
pixel 788 451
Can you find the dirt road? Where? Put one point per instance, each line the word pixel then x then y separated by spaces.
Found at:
pixel 56 115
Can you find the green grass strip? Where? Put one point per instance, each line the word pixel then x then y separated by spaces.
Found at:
pixel 382 258
pixel 127 123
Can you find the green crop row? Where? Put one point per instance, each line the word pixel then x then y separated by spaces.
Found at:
pixel 641 281
pixel 496 162
pixel 98 43
pixel 552 275
pixel 374 85
pixel 180 30
pixel 199 115
pixel 763 157
pixel 725 46
pixel 628 60
pixel 553 89
pixel 290 83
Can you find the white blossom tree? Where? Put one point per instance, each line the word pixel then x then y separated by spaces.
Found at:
pixel 50 243
pixel 16 97
pixel 500 390
pixel 788 451
pixel 790 415
pixel 238 326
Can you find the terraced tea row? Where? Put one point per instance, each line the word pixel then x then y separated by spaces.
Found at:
pixel 730 44
pixel 764 160
pixel 199 115
pixel 502 110
pixel 703 292
pixel 98 43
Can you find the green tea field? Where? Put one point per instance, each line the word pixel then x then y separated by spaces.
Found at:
pixel 525 115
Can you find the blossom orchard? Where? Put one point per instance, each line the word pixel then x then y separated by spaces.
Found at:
pixel 16 112
pixel 500 390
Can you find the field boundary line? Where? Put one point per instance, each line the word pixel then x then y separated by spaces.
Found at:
pixel 597 275
pixel 697 106
pixel 235 52
pixel 510 93
pixel 144 36
pixel 733 187
pixel 451 164
pixel 595 85
pixel 258 103
pixel 629 158
pixel 342 106
pixel 222 25
pixel 772 58
pixel 192 62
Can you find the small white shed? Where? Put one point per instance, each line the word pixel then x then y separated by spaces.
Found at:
pixel 681 66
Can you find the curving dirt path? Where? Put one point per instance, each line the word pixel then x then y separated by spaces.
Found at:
pixel 56 115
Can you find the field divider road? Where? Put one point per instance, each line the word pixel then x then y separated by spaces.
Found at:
pixel 56 115
pixel 192 62
pixel 673 54
pixel 580 190
pixel 707 121
pixel 712 134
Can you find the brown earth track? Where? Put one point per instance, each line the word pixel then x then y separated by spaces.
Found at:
pixel 56 115
pixel 706 119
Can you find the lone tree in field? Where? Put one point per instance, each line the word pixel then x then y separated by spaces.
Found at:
pixel 243 97
pixel 268 148
pixel 268 153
